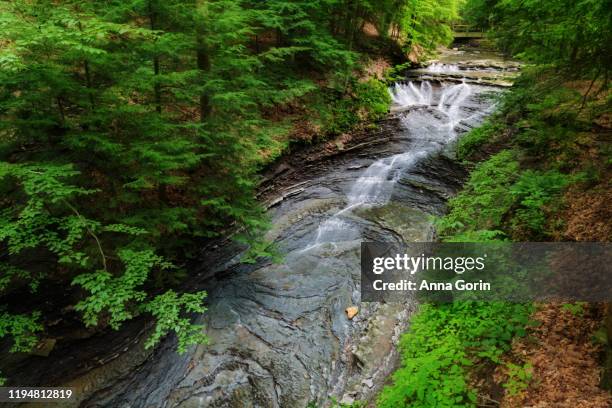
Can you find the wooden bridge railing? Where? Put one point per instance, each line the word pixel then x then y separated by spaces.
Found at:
pixel 467 31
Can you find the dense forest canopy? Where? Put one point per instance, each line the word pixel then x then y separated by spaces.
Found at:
pixel 132 130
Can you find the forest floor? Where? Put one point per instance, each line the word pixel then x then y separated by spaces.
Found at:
pixel 564 352
pixel 561 357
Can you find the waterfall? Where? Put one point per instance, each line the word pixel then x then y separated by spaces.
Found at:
pixel 276 327
pixel 410 95
pixel 375 185
pixel 450 101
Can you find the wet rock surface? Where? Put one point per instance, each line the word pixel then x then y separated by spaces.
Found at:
pixel 475 66
pixel 280 333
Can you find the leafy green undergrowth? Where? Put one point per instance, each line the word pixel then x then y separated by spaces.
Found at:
pixel 472 141
pixel 46 218
pixel 444 342
pixel 477 212
pixel 501 201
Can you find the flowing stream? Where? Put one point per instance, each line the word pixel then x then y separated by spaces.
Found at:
pixel 280 336
pixel 375 186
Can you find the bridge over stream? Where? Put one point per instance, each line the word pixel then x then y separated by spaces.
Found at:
pixel 465 31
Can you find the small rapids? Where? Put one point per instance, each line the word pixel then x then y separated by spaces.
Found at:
pixel 375 186
pixel 440 68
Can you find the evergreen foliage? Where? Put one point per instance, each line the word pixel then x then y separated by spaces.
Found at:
pixel 574 36
pixel 131 130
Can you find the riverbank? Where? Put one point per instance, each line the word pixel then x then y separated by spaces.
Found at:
pixel 536 164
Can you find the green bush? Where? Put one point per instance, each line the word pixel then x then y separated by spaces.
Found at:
pixel 470 142
pixel 340 110
pixel 533 191
pixel 445 341
pixel 479 209
pixel 374 98
pixel 22 329
pixel 500 201
pixel 341 117
pixel 519 377
pixel 45 217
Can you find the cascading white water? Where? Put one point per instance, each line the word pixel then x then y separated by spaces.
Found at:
pixel 375 186
pixel 409 95
pixel 289 318
pixel 450 102
pixel 440 68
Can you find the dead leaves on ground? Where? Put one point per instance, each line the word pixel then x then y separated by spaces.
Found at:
pixel 564 359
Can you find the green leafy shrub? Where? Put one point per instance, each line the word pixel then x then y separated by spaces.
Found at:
pixel 340 118
pixel 114 294
pixel 519 377
pixel 443 342
pixel 474 139
pixel 577 308
pixel 22 329
pixel 477 212
pixel 499 200
pixel 373 97
pixel 532 192
pixel 166 309
pixel 350 103
pixel 44 218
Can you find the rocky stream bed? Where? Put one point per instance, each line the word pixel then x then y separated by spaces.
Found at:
pixel 280 333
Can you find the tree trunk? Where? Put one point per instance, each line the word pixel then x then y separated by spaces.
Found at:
pixel 156 70
pixel 157 88
pixel 203 60
pixel 279 37
pixel 60 107
pixel 606 379
pixel 88 81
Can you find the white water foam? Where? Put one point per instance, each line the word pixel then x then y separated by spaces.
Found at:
pixel 410 95
pixel 375 186
pixel 440 68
